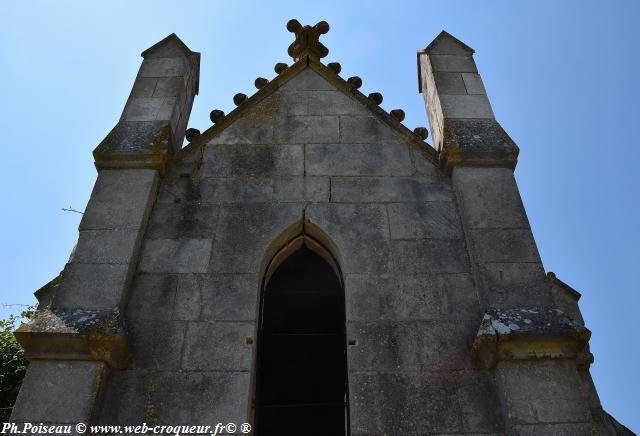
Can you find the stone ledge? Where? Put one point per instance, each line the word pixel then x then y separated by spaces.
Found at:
pixel 75 334
pixel 135 145
pixel 528 334
pixel 477 142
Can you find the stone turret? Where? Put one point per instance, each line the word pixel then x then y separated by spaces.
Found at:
pixel 462 122
pixel 153 123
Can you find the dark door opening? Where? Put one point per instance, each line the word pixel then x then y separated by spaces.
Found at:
pixel 301 379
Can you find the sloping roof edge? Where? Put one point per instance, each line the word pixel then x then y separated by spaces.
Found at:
pixel 289 74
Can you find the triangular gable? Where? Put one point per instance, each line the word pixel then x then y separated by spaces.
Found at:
pixel 337 83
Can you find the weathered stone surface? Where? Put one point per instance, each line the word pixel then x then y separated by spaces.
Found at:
pixel 176 255
pixel 511 285
pixel 123 401
pixel 479 401
pixel 168 87
pixel 450 83
pixel 156 344
pixel 120 198
pixel 58 392
pixel 476 142
pixel 410 345
pixel 453 63
pixel 153 296
pixel 308 128
pixel 406 297
pixel 364 129
pixel 188 301
pixel 232 297
pixel 308 80
pixel 149 109
pixel 350 221
pixel 473 83
pixel 219 346
pixel 504 245
pixel 175 189
pixel 366 256
pixel 528 334
pixel 561 374
pixel 144 87
pixel 163 67
pixel 254 127
pixel 489 197
pixel 403 402
pixel 287 103
pixel 309 189
pixel 391 189
pixel 182 220
pixel 577 429
pixel 466 434
pixel 75 334
pixel 253 161
pixel 245 231
pixel 391 159
pixel 466 106
pixel 138 137
pixel 537 392
pixel 262 190
pixel 199 397
pixel 75 321
pixel 255 190
pixel 332 103
pixel 107 246
pixel 429 255
pixel 430 220
pixel 92 286
pixel 425 164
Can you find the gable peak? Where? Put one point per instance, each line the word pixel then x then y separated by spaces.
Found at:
pixel 447 44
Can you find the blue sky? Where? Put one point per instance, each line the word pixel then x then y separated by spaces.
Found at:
pixel 562 78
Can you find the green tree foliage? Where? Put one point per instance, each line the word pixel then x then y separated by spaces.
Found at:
pixel 13 364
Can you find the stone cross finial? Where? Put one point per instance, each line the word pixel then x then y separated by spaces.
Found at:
pixel 307 40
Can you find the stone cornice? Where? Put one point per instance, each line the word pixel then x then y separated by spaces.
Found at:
pixel 75 334
pixel 528 334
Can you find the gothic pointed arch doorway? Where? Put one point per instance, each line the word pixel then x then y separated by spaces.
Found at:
pixel 301 371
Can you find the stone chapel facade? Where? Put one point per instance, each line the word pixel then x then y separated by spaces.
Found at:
pixel 308 265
